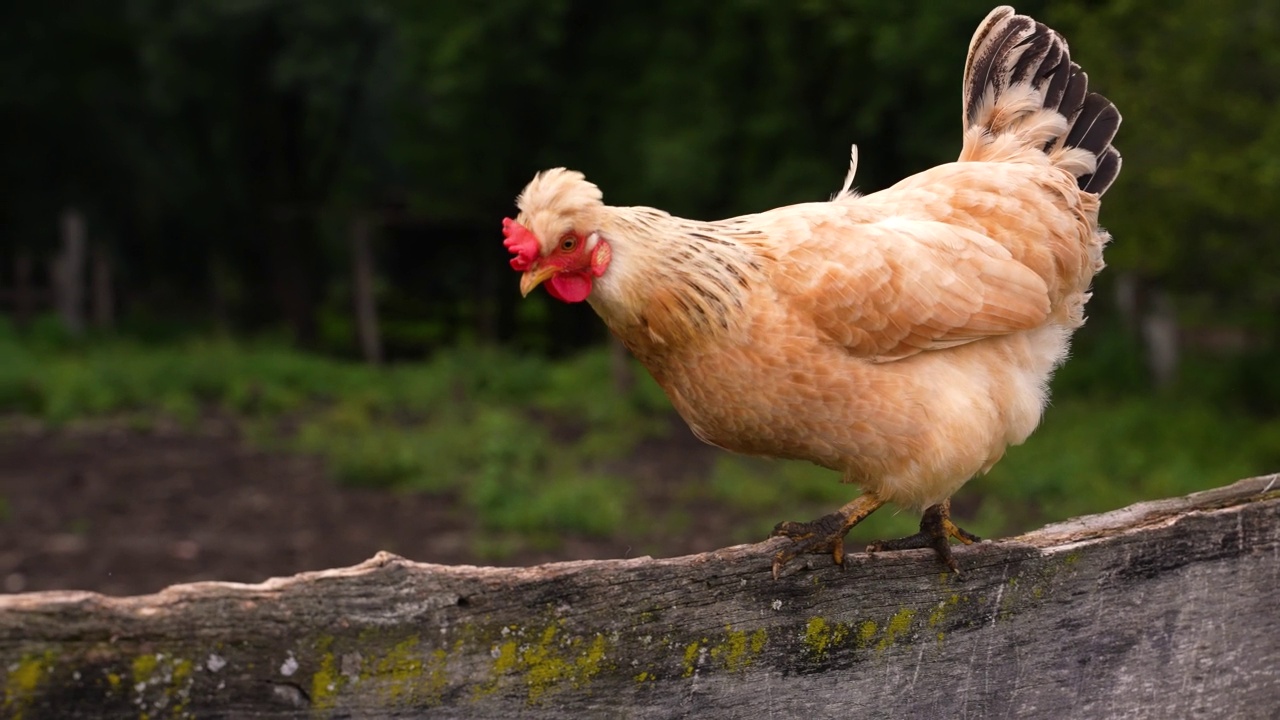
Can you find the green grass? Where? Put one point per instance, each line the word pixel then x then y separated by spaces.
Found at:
pixel 533 447
pixel 518 439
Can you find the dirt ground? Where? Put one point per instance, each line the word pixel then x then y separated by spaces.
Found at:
pixel 126 512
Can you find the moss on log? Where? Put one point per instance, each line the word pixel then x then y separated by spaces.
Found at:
pixel 1163 609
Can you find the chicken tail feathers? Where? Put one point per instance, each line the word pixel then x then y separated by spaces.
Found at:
pixel 1021 91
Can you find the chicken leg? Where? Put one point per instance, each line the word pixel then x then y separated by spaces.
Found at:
pixel 826 534
pixel 936 531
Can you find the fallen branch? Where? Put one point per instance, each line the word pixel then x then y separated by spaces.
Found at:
pixel 1163 609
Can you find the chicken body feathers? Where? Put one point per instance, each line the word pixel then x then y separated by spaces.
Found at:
pixel 904 338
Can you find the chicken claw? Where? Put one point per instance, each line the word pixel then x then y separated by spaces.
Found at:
pixel 826 534
pixel 936 531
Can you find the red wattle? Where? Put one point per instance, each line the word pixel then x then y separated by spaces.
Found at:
pixel 570 287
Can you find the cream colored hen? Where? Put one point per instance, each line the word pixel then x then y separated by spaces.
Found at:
pixel 903 338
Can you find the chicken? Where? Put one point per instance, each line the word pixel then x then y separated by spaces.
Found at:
pixel 903 338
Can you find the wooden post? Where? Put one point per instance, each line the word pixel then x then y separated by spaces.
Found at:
pixel 362 291
pixel 68 272
pixel 1160 335
pixel 1165 609
pixel 1148 311
pixel 103 293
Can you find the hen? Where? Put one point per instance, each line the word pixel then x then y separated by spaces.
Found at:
pixel 904 338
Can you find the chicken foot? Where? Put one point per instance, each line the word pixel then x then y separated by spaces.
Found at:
pixel 826 534
pixel 936 531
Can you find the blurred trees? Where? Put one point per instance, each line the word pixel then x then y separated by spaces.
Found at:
pixel 1198 83
pixel 221 150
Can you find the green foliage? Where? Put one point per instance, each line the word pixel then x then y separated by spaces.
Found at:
pixel 502 464
pixel 519 439
pixel 219 147
pixel 363 451
pixel 533 448
pixel 524 482
pixel 1197 82
pixel 1091 456
pixel 1106 362
pixel 776 94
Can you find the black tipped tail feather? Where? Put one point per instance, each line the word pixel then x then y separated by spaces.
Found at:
pixel 1018 69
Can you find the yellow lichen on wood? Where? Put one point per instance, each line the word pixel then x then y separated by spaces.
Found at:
pixel 23 679
pixel 400 670
pixel 161 685
pixel 898 626
pixel 437 677
pixel 739 649
pixel 866 632
pixel 325 682
pixel 691 652
pixel 549 662
pixel 940 612
pixel 820 637
pixel 404 674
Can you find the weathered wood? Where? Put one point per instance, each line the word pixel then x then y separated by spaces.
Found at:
pixel 362 293
pixel 68 271
pixel 1168 609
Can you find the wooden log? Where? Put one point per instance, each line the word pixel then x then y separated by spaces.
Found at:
pixel 1166 609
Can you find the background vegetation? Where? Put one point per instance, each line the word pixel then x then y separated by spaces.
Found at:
pixel 220 149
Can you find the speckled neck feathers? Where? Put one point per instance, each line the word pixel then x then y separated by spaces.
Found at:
pixel 674 280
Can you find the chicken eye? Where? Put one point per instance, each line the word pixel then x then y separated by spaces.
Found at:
pixel 568 242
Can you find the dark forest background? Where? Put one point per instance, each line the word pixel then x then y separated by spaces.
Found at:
pixel 220 151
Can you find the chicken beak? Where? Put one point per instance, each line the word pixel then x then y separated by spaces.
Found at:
pixel 534 277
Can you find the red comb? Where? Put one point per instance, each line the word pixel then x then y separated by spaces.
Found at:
pixel 521 242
